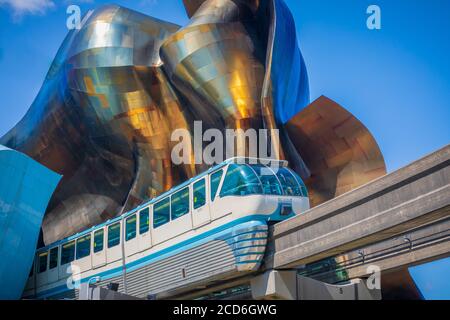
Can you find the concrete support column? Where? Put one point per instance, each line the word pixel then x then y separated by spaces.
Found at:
pixel 288 285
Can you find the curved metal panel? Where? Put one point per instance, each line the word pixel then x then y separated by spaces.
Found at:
pixel 285 65
pixel 25 189
pixel 338 149
pixel 214 63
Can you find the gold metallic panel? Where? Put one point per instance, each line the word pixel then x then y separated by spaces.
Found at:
pixel 337 148
pixel 215 62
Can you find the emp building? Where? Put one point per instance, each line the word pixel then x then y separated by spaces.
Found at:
pixel 121 84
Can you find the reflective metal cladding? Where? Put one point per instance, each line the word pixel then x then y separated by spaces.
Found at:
pixel 25 190
pixel 124 82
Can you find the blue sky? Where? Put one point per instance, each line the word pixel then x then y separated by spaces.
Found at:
pixel 395 80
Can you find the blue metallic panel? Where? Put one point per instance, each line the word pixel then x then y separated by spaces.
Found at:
pixel 25 189
pixel 290 86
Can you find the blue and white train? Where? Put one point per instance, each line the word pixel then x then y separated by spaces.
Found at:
pixel 212 227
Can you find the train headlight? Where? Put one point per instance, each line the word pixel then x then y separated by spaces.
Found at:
pixel 286 209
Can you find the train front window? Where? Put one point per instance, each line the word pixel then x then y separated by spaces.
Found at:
pixel 302 185
pixel 130 228
pixel 144 221
pixel 288 182
pixel 114 235
pixel 42 262
pixel 83 246
pixel 270 184
pixel 180 203
pixel 161 213
pixel 240 180
pixel 67 253
pixel 53 258
pixel 199 194
pixel 214 183
pixel 98 240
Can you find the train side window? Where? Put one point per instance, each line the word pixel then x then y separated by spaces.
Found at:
pixel 214 183
pixel 53 258
pixel 83 246
pixel 114 235
pixel 144 221
pixel 98 240
pixel 130 227
pixel 302 185
pixel 161 213
pixel 42 262
pixel 180 203
pixel 67 252
pixel 288 182
pixel 199 194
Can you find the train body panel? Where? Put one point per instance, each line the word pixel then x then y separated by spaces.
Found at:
pixel 213 227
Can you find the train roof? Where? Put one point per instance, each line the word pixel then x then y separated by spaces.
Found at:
pixel 236 160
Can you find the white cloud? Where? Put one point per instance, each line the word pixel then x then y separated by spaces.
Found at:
pixel 23 7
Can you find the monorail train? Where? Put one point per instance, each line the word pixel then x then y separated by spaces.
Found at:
pixel 212 227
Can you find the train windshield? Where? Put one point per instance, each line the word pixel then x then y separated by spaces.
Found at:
pixel 240 180
pixel 244 179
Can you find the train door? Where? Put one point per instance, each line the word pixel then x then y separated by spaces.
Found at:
pixel 42 267
pixel 113 242
pixel 144 234
pixel 98 248
pixel 66 259
pixel 83 253
pixel 216 207
pixel 200 205
pixel 53 271
pixel 180 205
pixel 131 240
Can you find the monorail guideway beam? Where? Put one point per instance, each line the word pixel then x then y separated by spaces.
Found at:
pixel 410 198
